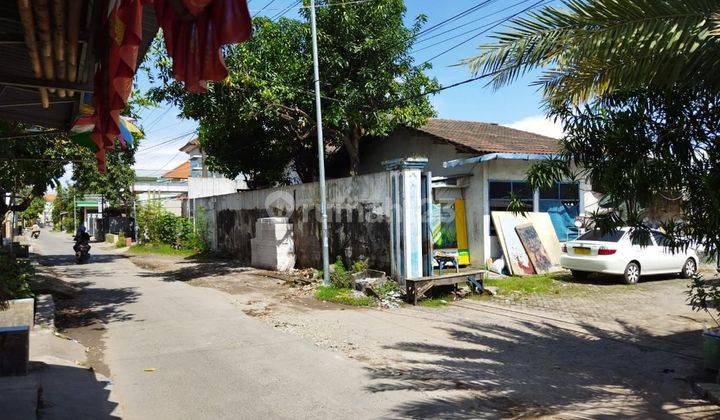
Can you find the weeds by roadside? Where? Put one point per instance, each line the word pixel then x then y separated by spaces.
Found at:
pixel 344 296
pixel 161 249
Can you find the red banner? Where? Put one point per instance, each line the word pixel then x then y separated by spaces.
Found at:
pixel 194 32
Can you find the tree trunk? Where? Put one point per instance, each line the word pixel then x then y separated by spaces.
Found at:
pixel 352 146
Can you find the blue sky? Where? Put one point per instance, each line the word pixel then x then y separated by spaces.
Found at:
pixel 518 105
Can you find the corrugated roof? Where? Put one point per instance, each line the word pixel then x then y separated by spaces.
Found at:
pixel 49 197
pixel 181 172
pixel 486 137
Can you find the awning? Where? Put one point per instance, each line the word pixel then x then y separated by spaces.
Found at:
pixel 493 156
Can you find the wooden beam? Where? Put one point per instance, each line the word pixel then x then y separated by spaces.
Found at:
pixel 29 82
pixel 23 104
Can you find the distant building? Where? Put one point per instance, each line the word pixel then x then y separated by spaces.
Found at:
pixel 203 182
pixel 49 200
pixel 168 189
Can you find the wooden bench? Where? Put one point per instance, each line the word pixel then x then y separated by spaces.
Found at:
pixel 417 287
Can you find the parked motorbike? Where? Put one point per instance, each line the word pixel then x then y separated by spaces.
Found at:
pixel 82 248
pixel 35 234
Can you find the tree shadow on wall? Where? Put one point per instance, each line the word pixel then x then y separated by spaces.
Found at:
pixel 541 370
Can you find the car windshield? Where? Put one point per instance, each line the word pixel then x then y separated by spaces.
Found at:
pixel 597 235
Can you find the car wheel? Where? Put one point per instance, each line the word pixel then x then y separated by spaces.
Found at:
pixel 689 268
pixel 632 273
pixel 579 275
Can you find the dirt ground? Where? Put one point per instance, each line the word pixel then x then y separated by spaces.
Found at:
pixel 603 352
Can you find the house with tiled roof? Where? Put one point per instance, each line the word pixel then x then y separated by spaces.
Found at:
pixel 476 167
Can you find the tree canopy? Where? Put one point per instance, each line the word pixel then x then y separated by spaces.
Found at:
pixel 641 148
pixel 29 163
pixel 594 47
pixel 261 122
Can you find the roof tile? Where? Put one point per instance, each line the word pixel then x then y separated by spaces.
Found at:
pixel 489 138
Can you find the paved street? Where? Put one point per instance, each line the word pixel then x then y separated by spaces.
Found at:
pixel 474 359
pixel 210 359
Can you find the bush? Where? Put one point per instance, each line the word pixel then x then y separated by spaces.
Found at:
pixel 359 265
pixel 158 226
pixel 120 241
pixel 68 225
pixel 14 278
pixel 339 275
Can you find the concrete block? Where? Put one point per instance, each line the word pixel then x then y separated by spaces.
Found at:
pixel 17 313
pixel 14 350
pixel 45 311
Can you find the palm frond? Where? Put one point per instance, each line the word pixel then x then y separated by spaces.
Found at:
pixel 590 46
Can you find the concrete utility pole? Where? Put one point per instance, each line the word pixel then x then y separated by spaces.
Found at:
pixel 321 149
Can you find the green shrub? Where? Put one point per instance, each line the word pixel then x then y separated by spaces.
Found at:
pixel 14 277
pixel 388 286
pixel 339 276
pixel 359 265
pixel 342 295
pixel 120 241
pixel 68 225
pixel 158 226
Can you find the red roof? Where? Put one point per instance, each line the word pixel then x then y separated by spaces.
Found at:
pixel 181 172
pixel 489 138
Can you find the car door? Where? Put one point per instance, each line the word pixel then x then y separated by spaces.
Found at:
pixel 647 254
pixel 668 261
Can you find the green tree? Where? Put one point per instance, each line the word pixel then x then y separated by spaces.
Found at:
pixel 115 185
pixel 643 147
pixel 261 122
pixel 34 210
pixel 595 47
pixel 29 165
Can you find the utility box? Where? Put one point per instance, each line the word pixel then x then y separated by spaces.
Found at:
pixel 273 247
pixel 14 350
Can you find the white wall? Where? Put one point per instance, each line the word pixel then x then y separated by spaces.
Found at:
pixel 207 187
pixel 481 245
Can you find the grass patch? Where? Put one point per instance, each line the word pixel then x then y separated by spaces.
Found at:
pixel 161 249
pixel 554 283
pixel 435 302
pixel 343 296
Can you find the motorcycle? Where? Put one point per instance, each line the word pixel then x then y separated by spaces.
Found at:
pixel 82 248
pixel 35 234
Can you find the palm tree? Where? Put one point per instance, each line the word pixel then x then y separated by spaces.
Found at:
pixel 594 47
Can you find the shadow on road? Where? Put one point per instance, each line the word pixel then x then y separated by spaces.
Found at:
pixel 541 370
pixel 70 392
pixel 95 305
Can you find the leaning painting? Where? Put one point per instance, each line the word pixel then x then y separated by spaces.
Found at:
pixel 515 254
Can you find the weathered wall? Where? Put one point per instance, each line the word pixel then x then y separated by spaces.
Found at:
pixel 404 143
pixel 358 219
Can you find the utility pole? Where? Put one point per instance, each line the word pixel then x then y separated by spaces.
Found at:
pixel 321 149
pixel 74 213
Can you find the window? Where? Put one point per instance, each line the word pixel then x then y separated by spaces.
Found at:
pixel 499 193
pixel 597 235
pixel 562 202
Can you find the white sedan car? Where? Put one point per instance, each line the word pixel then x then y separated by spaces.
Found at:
pixel 615 253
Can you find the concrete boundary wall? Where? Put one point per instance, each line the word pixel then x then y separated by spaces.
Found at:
pixel 359 212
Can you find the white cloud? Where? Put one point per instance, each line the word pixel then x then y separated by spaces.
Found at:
pixel 539 124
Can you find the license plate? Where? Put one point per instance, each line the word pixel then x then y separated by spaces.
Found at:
pixel 582 251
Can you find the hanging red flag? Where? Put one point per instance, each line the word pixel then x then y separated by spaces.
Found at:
pixel 195 44
pixel 195 32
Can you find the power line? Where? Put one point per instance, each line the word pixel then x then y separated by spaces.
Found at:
pixel 455 17
pixel 499 22
pixel 424 39
pixel 166 142
pixel 266 6
pixel 321 6
pixel 284 11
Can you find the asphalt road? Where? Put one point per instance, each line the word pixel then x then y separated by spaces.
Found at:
pixel 177 351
